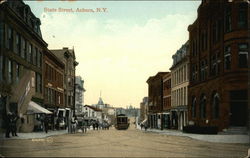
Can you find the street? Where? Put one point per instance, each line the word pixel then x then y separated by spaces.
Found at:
pixel 119 143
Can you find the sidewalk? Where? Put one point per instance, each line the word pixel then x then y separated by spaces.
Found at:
pixel 244 139
pixel 34 135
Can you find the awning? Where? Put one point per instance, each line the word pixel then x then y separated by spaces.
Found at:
pixel 144 121
pixel 34 108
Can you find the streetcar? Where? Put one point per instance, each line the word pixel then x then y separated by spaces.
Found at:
pixel 121 122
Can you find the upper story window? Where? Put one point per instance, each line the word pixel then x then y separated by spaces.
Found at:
pixel 193 107
pixel 228 19
pixel 24 48
pixel 216 31
pixel 215 105
pixel 18 43
pixel 9 42
pixel 203 70
pixel 194 72
pixel 10 71
pixel 243 55
pixel 1 68
pixel 203 103
pixel 227 58
pixel 1 34
pixel 29 52
pixel 35 56
pixel 215 64
pixel 242 15
pixel 39 59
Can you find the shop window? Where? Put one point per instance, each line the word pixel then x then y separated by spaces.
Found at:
pixel 243 55
pixel 227 58
pixel 215 105
pixel 203 106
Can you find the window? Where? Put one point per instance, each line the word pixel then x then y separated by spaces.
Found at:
pixel 38 83
pixel 203 70
pixel 23 49
pixel 9 42
pixel 17 72
pixel 29 52
pixel 203 106
pixel 194 72
pixel 193 107
pixel 216 31
pixel 215 105
pixel 1 34
pixel 39 59
pixel 1 68
pixel 228 20
pixel 10 71
pixel 243 55
pixel 35 56
pixel 215 64
pixel 227 58
pixel 242 15
pixel 18 43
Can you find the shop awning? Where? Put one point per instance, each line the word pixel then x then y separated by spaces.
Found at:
pixel 34 108
pixel 144 121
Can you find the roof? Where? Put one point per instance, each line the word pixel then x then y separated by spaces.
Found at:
pixel 93 108
pixel 159 74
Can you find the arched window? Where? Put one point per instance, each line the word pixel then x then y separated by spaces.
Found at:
pixel 215 105
pixel 193 107
pixel 203 106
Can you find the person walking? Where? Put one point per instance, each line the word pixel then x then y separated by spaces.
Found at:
pixel 8 125
pixel 13 122
pixel 46 124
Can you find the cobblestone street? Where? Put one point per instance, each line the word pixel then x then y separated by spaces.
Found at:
pixel 119 143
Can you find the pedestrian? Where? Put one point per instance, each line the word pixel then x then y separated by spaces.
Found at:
pixel 74 123
pixel 93 125
pixel 97 125
pixel 46 124
pixel 141 126
pixel 145 126
pixel 13 122
pixel 8 125
pixel 84 127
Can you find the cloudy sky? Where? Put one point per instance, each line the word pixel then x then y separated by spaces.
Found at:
pixel 119 49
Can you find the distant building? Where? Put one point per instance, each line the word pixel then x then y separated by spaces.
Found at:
pixel 179 87
pixel 79 95
pixel 155 100
pixel 219 64
pixel 144 109
pixel 92 114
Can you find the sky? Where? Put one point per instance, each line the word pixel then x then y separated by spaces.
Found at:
pixel 119 49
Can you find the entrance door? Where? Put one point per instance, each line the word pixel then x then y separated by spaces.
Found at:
pixel 238 108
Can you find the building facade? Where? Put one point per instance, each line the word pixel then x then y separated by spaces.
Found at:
pixel 155 100
pixel 166 119
pixel 67 56
pixel 21 53
pixel 144 109
pixel 53 76
pixel 179 91
pixel 219 57
pixel 79 95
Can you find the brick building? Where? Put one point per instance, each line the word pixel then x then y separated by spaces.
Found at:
pixel 179 91
pixel 155 100
pixel 21 47
pixel 53 74
pixel 166 119
pixel 67 57
pixel 143 109
pixel 219 52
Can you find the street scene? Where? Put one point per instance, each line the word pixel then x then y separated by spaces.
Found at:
pixel 119 143
pixel 124 78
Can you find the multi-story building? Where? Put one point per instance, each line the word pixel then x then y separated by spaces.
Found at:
pixel 179 88
pixel 155 100
pixel 67 56
pixel 144 109
pixel 21 52
pixel 53 76
pixel 79 95
pixel 166 119
pixel 219 57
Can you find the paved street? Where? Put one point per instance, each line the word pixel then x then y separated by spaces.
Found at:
pixel 114 143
